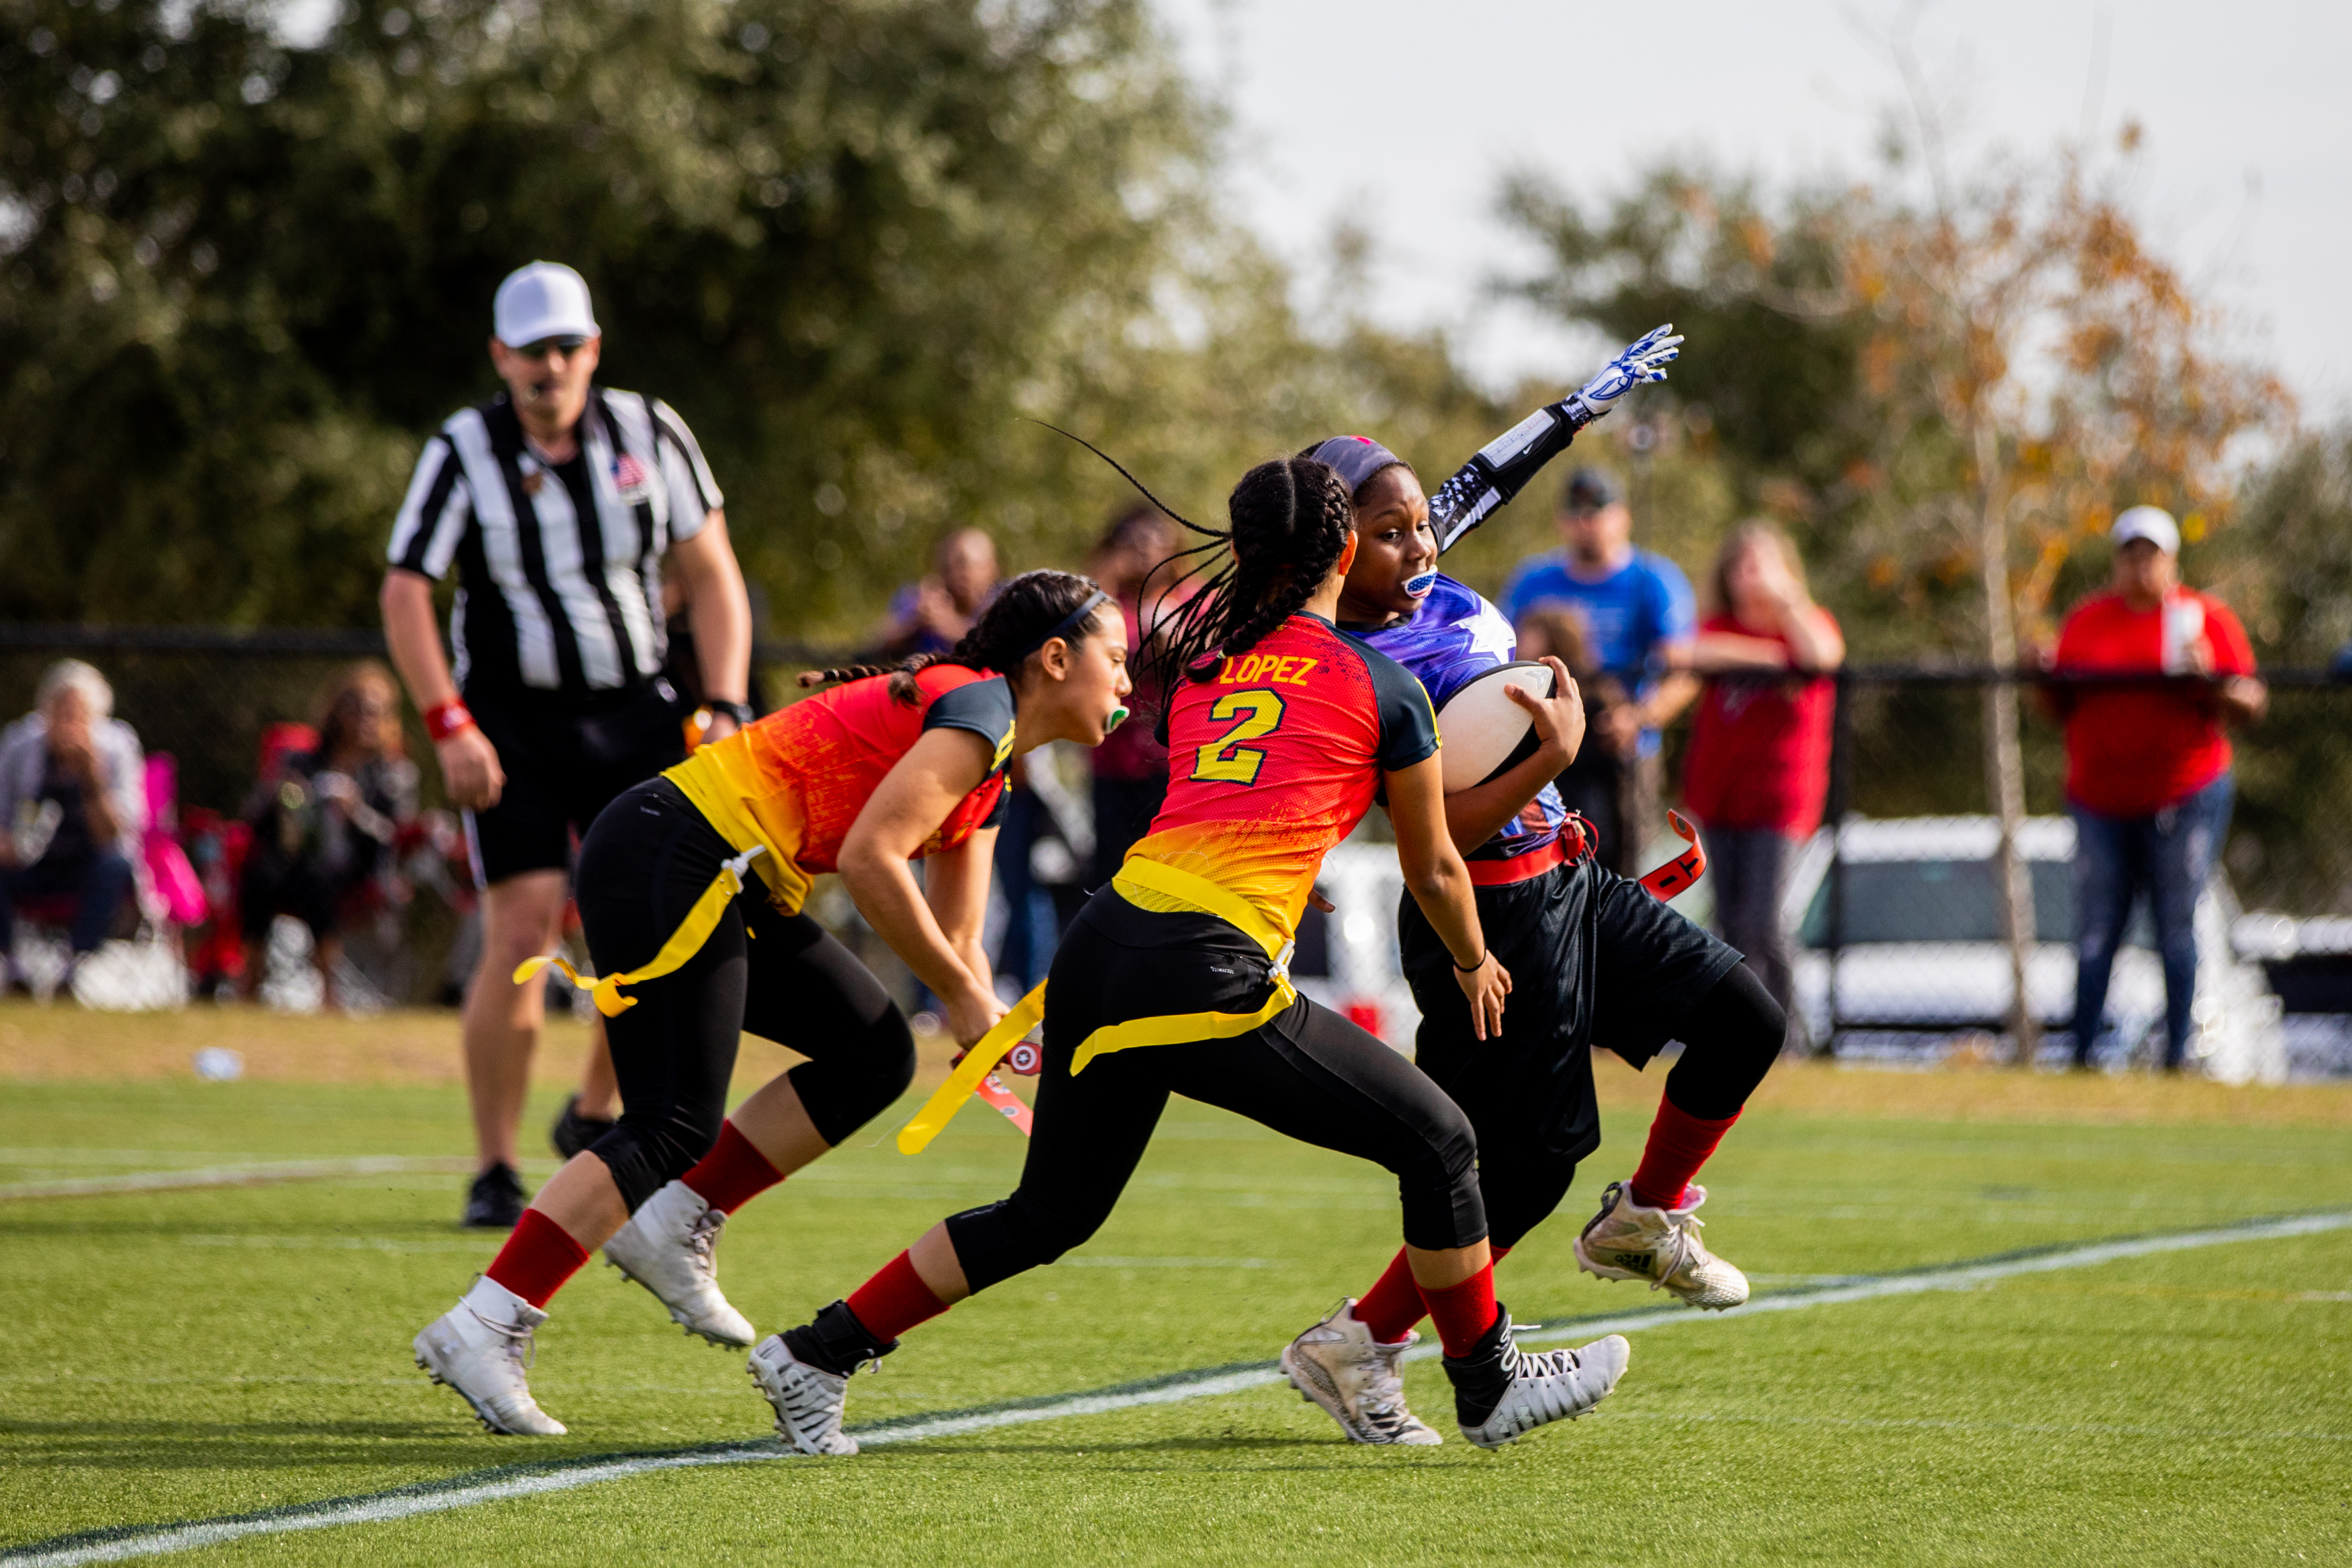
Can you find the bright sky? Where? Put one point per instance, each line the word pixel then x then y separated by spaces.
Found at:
pixel 1402 116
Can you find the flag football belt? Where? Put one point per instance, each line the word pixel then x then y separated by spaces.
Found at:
pixel 683 944
pixel 1137 875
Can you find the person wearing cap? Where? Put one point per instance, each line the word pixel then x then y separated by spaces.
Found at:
pixel 2147 765
pixel 1639 619
pixel 555 501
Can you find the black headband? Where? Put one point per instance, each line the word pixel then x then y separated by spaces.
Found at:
pixel 1357 458
pixel 1063 628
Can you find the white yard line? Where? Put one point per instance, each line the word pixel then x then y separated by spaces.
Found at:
pixel 1207 1383
pixel 241 1175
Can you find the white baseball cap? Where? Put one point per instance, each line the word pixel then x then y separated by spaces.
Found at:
pixel 2152 523
pixel 544 300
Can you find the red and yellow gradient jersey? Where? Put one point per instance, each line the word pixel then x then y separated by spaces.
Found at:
pixel 795 781
pixel 1275 758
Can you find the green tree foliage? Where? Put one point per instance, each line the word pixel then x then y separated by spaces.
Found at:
pixel 850 240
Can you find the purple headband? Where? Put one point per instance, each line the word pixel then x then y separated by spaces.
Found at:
pixel 1357 458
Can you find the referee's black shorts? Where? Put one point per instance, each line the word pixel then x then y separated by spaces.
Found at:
pixel 566 759
pixel 1594 960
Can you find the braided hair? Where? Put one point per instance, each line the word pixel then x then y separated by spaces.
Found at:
pixel 1289 522
pixel 1021 617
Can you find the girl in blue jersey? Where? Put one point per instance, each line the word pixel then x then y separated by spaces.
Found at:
pixel 1597 961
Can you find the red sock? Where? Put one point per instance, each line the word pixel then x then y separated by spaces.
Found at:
pixel 1393 1308
pixel 537 1258
pixel 895 1300
pixel 1463 1312
pixel 1679 1144
pixel 732 1173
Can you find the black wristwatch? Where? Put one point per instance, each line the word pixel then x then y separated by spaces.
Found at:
pixel 739 712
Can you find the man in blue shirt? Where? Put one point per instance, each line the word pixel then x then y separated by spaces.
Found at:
pixel 1638 616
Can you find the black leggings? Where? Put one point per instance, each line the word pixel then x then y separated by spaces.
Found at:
pixel 1309 1074
pixel 782 977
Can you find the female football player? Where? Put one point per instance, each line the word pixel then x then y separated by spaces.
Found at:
pixel 896 766
pixel 1174 980
pixel 1599 961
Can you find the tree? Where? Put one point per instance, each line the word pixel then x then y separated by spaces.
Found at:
pixel 1926 380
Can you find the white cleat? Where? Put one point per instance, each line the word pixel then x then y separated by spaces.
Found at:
pixel 1557 1385
pixel 1339 1365
pixel 667 1247
pixel 808 1400
pixel 481 1347
pixel 1628 1241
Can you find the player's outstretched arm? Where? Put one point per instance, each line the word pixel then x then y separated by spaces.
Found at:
pixel 1502 469
pixel 1440 883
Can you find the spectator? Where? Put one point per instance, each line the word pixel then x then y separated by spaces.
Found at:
pixel 928 616
pixel 73 803
pixel 1593 785
pixel 2147 766
pixel 324 823
pixel 1131 769
pixel 1758 767
pixel 1636 615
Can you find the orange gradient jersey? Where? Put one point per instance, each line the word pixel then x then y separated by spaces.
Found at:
pixel 796 779
pixel 1275 758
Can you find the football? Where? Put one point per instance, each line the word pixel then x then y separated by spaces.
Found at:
pixel 1483 730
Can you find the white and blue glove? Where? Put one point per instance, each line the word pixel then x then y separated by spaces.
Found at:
pixel 1642 360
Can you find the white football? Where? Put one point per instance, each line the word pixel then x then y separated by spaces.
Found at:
pixel 1483 732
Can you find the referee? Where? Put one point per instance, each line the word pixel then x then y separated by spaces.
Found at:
pixel 555 501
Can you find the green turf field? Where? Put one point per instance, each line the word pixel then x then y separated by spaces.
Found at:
pixel 185 1355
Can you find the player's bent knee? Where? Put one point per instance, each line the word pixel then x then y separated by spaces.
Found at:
pixel 1017 1233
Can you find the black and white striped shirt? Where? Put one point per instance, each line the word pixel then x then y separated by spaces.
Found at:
pixel 559 566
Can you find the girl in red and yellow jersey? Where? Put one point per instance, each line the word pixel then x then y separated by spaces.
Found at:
pixel 895 766
pixel 1173 980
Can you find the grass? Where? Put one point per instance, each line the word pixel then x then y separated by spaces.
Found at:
pixel 194 1353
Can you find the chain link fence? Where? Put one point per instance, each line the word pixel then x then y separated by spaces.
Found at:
pixel 1899 919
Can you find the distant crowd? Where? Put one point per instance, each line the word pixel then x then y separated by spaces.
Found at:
pixel 90 846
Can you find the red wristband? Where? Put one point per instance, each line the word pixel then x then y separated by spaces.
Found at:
pixel 444 719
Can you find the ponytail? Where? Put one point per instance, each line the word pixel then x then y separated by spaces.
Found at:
pixel 1027 612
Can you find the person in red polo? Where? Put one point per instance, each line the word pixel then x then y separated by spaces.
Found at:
pixel 2147 765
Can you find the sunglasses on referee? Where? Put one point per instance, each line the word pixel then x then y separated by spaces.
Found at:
pixel 566 346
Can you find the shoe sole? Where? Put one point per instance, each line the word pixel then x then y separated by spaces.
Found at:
pixel 679 1318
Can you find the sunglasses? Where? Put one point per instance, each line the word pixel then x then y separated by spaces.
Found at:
pixel 546 346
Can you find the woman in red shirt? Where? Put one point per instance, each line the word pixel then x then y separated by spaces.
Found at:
pixel 1758 767
pixel 2147 766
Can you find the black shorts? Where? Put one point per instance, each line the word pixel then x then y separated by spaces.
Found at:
pixel 1594 960
pixel 1306 1072
pixel 565 760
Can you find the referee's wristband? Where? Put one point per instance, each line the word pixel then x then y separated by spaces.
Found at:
pixel 1471 968
pixel 739 712
pixel 444 719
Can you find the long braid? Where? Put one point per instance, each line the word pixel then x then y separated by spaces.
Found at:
pixel 1290 519
pixel 1025 610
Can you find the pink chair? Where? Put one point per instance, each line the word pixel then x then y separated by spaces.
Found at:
pixel 174 890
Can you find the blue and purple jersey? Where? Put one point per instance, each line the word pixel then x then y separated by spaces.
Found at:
pixel 1452 640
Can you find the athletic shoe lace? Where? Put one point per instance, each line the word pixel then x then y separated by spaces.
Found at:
pixel 702 1236
pixel 1382 1400
pixel 521 1346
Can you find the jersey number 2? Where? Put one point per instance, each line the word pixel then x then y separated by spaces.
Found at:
pixel 1225 759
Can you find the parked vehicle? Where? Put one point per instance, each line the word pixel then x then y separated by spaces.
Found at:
pixel 1903 949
